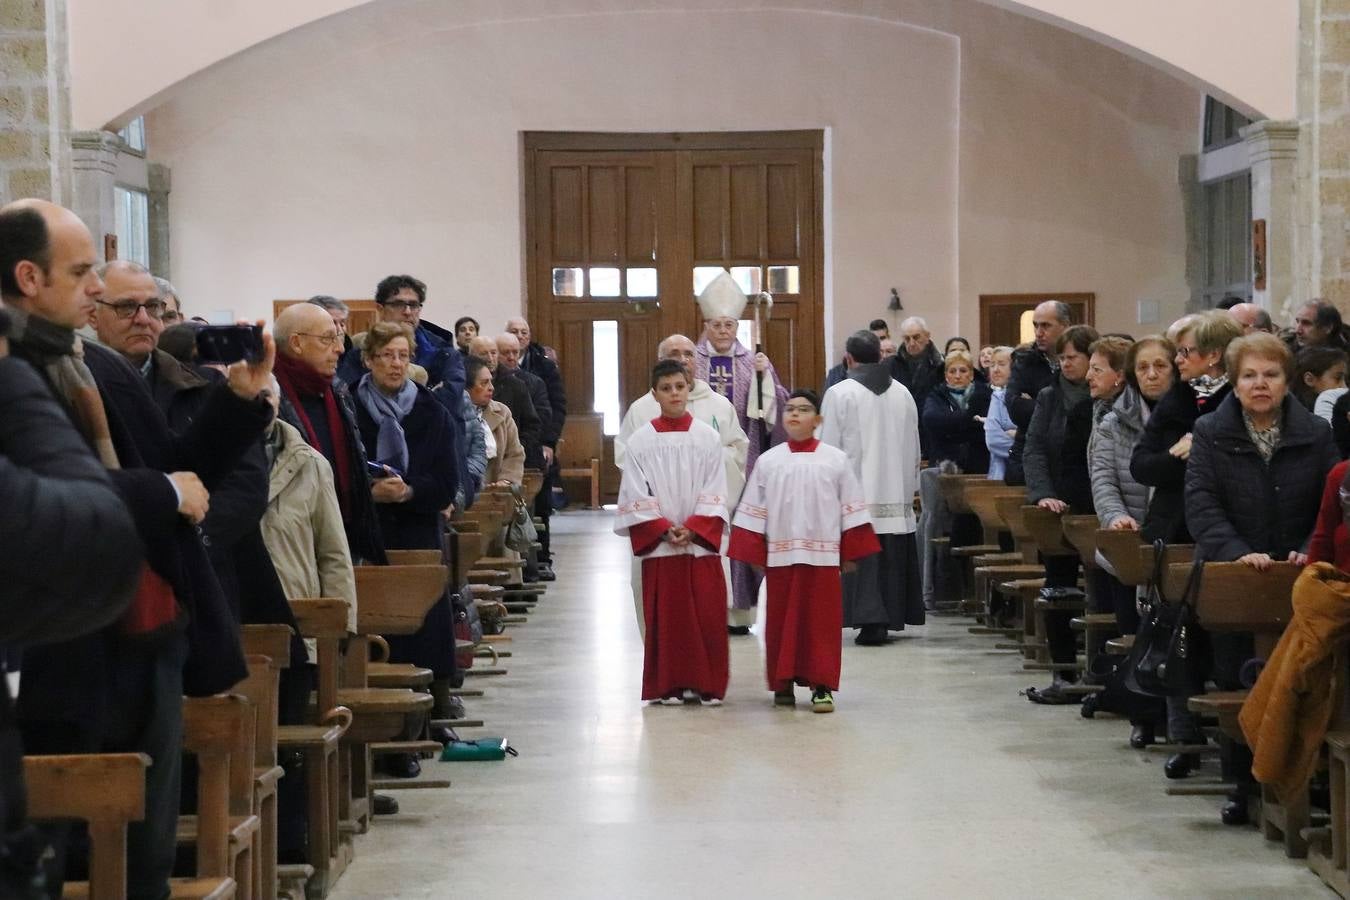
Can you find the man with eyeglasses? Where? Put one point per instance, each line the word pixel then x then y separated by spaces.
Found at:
pixel 400 299
pixel 1034 366
pixel 121 689
pixel 173 306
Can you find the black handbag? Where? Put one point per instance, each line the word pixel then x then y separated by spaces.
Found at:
pixel 1157 664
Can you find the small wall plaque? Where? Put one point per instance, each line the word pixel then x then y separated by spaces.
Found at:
pixel 1259 254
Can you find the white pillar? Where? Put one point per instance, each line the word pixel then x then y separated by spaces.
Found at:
pixel 1272 148
pixel 94 167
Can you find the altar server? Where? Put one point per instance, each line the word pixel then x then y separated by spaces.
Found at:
pixel 873 419
pixel 672 506
pixel 802 515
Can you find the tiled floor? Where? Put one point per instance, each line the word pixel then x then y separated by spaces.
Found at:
pixel 933 779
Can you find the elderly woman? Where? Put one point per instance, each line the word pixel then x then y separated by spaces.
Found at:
pixel 505 455
pixel 409 434
pixel 952 420
pixel 1055 460
pixel 999 428
pixel 1159 459
pixel 1254 485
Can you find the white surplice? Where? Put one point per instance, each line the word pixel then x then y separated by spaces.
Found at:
pixel 879 433
pixel 673 475
pixel 707 406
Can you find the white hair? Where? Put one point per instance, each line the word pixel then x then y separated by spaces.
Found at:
pixel 914 320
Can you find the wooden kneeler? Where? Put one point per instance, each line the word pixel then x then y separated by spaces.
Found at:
pixel 1235 597
pixel 106 791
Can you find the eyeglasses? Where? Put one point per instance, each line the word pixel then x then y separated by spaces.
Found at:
pixel 327 340
pixel 401 305
pixel 171 315
pixel 127 309
pixel 1185 352
pixel 390 358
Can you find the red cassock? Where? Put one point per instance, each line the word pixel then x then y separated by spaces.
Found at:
pixel 684 604
pixel 804 613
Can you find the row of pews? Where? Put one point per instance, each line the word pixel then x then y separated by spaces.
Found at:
pixel 362 706
pixel 998 582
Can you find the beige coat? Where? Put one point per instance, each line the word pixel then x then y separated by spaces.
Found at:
pixel 509 463
pixel 303 525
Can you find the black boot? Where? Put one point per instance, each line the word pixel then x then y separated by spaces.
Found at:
pixel 1141 735
pixel 1181 765
pixel 1234 812
pixel 383 805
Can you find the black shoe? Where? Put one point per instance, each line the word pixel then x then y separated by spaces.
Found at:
pixel 440 734
pixel 383 805
pixel 1141 735
pixel 400 765
pixel 1234 812
pixel 738 630
pixel 1181 765
pixel 871 636
pixel 1054 695
pixel 545 573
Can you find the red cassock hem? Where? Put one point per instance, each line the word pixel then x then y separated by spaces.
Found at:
pixel 646 535
pixel 684 601
pixel 748 547
pixel 802 625
pixel 857 542
pixel 707 531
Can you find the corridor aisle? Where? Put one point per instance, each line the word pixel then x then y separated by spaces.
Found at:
pixel 932 779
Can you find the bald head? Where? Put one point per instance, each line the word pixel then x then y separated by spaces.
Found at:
pixel 679 348
pixel 1252 317
pixel 508 350
pixel 47 262
pixel 306 332
pixel 521 329
pixel 1050 319
pixel 485 348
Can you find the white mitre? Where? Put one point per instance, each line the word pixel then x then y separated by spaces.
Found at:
pixel 722 298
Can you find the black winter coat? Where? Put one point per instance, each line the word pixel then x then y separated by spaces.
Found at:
pixel 535 361
pixel 953 433
pixel 57 506
pixel 1174 416
pixel 1236 503
pixel 513 393
pixel 1056 451
pixel 1030 374
pixel 920 375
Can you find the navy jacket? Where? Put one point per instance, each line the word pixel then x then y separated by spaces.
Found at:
pixel 953 432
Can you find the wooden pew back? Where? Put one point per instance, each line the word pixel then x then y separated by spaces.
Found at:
pixel 216 730
pixel 1047 531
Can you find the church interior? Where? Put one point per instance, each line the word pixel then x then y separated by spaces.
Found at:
pixel 591 170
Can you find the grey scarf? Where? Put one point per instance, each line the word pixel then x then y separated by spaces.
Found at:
pixel 391 446
pixel 1072 394
pixel 876 377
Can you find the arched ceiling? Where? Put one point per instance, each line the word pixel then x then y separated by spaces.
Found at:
pixel 127 55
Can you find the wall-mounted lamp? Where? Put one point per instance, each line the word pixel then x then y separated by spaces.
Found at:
pixel 895 305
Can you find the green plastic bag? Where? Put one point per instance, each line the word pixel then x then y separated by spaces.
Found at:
pixel 489 748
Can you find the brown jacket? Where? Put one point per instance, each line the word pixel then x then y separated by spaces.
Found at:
pixel 509 463
pixel 1287 713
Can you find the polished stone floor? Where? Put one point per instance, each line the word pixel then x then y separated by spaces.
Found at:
pixel 932 779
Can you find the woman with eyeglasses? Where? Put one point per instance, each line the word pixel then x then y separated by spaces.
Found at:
pixel 410 438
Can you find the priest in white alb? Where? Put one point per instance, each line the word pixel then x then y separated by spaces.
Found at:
pixel 673 508
pixel 705 405
pixel 802 516
pixel 873 419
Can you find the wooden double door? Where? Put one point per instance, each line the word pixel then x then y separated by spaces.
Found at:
pixel 623 231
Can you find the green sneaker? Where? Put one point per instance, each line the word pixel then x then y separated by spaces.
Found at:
pixel 784 698
pixel 822 701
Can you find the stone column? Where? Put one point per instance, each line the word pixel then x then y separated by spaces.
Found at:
pixel 1324 171
pixel 1272 148
pixel 34 101
pixel 159 186
pixel 94 167
pixel 1188 182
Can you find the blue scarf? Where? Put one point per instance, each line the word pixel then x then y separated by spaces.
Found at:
pixel 391 446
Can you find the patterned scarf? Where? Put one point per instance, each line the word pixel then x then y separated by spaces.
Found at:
pixel 1207 386
pixel 59 354
pixel 391 444
pixel 1266 442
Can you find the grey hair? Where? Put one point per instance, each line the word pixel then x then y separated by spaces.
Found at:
pixel 166 289
pixel 332 304
pixel 135 268
pixel 1063 311
pixel 914 320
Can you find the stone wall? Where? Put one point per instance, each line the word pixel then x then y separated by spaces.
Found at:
pixel 1331 123
pixel 34 100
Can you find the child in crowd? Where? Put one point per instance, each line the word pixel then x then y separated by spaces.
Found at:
pixel 802 515
pixel 672 506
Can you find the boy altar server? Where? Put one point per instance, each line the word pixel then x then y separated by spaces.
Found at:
pixel 802 515
pixel 672 506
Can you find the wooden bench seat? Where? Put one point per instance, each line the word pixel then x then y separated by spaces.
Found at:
pixel 397 675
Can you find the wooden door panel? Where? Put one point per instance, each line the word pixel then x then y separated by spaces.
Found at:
pixel 746 206
pixel 564 204
pixel 640 198
pixel 709 212
pixel 783 211
pixel 604 207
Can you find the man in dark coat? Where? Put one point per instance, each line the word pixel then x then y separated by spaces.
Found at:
pixel 513 393
pixel 178 635
pixel 1033 367
pixel 509 365
pixel 59 506
pixel 918 366
pixel 535 360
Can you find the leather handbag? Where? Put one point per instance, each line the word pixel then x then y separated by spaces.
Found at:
pixel 1158 663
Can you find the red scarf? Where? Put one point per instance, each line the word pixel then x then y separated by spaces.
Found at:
pixel 298 379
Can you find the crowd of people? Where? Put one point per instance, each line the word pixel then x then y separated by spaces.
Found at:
pixel 156 502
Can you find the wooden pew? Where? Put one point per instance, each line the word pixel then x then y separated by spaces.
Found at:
pixel 1329 847
pixel 268 651
pixel 1235 597
pixel 325 621
pixel 106 791
pixel 580 450
pixel 956 492
pixel 219 732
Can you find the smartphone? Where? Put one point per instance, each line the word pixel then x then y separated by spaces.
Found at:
pixel 229 343
pixel 378 471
